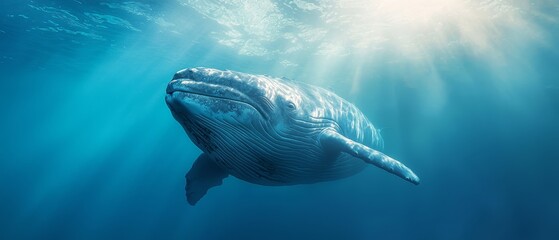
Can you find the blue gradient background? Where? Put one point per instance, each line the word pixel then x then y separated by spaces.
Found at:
pixel 89 150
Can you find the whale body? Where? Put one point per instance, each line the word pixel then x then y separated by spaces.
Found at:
pixel 271 131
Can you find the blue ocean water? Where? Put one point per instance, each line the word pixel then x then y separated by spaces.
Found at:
pixel 465 93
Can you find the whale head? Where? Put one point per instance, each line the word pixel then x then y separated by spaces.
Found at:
pixel 205 100
pixel 229 96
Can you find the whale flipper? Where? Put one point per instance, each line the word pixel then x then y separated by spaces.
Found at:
pixel 332 140
pixel 203 175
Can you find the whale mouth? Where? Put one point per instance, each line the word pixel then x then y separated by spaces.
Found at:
pixel 197 88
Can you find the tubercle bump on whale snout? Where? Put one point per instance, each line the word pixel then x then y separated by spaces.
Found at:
pixel 184 73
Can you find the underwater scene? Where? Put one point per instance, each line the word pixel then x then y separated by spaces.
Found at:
pixel 94 143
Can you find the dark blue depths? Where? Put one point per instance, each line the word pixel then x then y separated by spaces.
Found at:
pixel 89 149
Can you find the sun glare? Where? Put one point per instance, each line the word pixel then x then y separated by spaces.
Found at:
pixel 412 29
pixel 416 29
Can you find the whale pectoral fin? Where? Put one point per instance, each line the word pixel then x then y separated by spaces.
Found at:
pixel 333 141
pixel 203 175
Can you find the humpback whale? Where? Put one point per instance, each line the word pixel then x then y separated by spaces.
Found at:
pixel 271 131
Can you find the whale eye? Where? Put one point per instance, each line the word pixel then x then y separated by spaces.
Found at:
pixel 291 106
